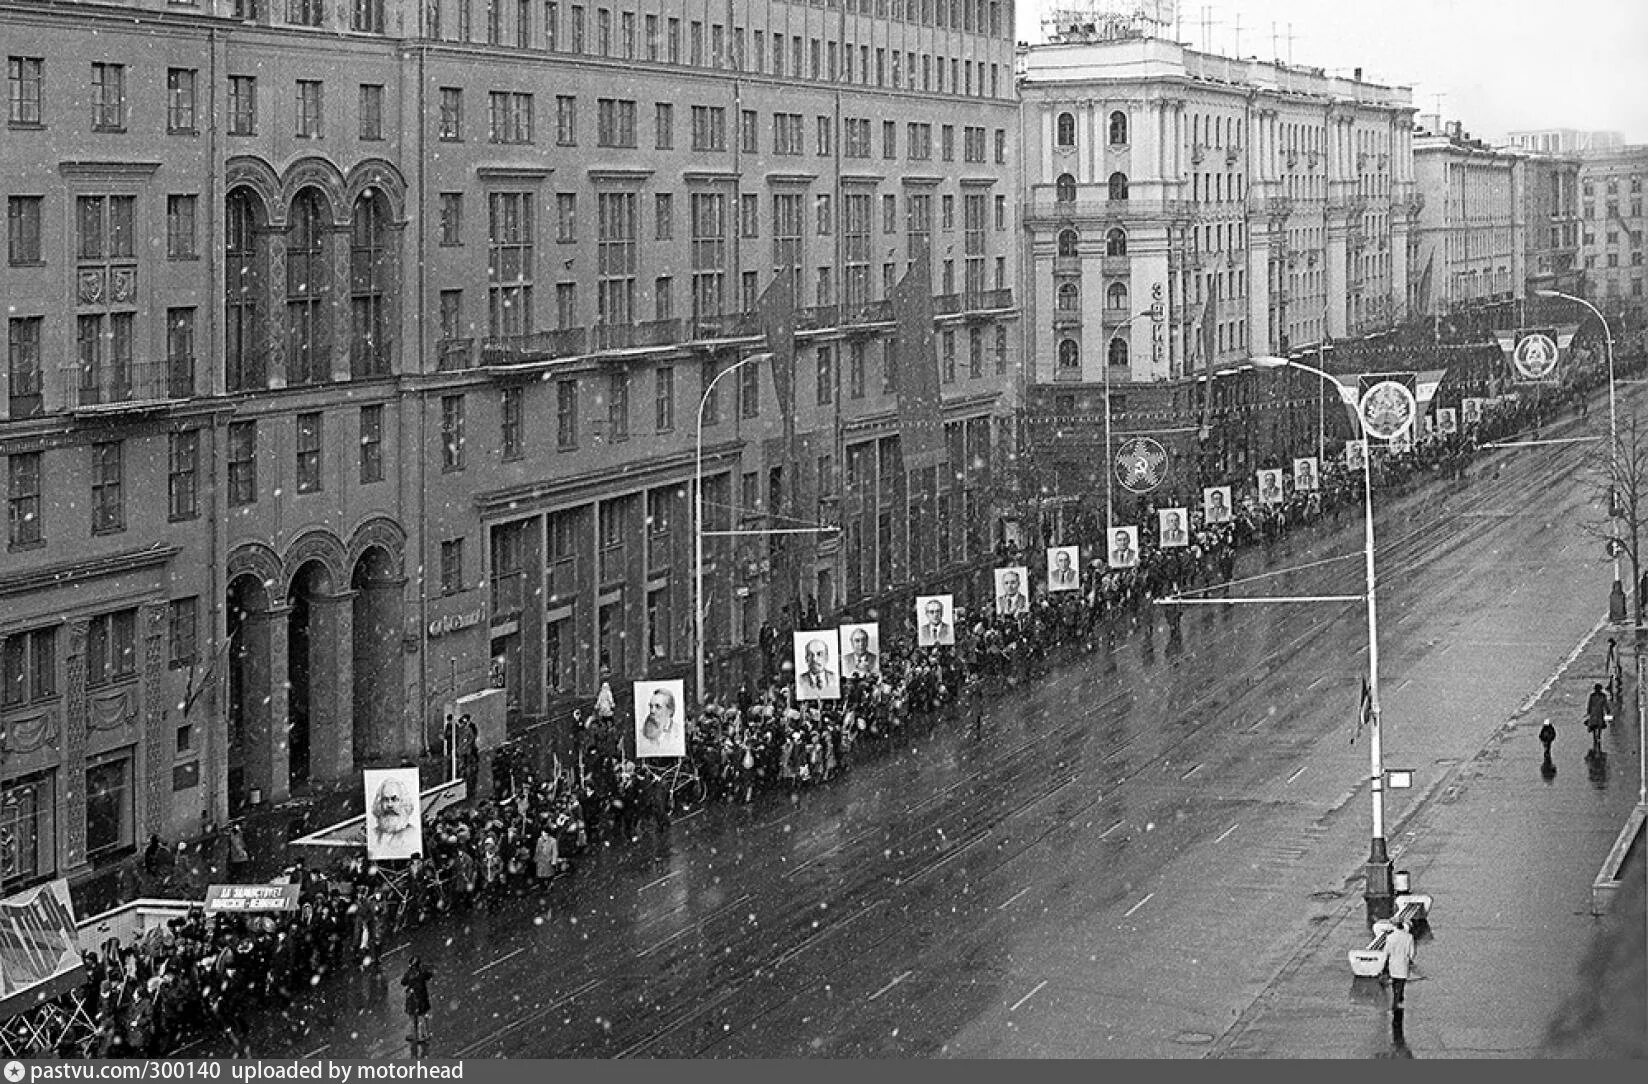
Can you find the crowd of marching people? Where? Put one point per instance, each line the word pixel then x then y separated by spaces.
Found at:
pixel 201 973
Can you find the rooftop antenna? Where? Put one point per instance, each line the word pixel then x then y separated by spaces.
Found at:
pixel 1238 35
pixel 1290 44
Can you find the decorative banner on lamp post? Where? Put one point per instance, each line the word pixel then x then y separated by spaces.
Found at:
pixel 1387 409
pixel 1535 353
pixel 1141 464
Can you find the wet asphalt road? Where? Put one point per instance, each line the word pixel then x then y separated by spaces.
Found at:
pixel 1114 862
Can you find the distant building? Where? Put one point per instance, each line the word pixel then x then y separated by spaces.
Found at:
pixel 1550 227
pixel 1566 140
pixel 1613 225
pixel 1469 246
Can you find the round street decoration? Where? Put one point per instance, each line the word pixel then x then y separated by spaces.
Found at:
pixel 1614 547
pixel 1535 356
pixel 1141 464
pixel 1387 409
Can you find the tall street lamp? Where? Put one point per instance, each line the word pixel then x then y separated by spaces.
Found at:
pixel 1377 891
pixel 698 648
pixel 1109 471
pixel 1616 598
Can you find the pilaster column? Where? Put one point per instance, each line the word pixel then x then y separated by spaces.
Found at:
pixel 271 314
pixel 268 710
pixel 71 783
pixel 378 691
pixel 157 761
pixel 337 312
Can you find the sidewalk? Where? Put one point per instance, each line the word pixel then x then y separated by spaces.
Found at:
pixel 1508 853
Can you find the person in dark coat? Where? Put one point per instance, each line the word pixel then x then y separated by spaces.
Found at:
pixel 1596 715
pixel 416 981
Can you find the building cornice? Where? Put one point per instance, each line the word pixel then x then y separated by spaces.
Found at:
pixel 66 573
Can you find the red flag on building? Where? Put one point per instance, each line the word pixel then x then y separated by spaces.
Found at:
pixel 1208 339
pixel 1364 713
pixel 776 311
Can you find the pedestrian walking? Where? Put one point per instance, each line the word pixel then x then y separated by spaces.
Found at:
pixel 239 860
pixel 1399 959
pixel 416 981
pixel 1547 735
pixel 1596 716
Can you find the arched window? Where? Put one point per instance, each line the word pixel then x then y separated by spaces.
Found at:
pixel 1116 296
pixel 1067 242
pixel 1066 188
pixel 1065 130
pixel 368 288
pixel 1118 351
pixel 243 368
pixel 1115 242
pixel 1069 354
pixel 1118 186
pixel 306 288
pixel 1118 128
pixel 1069 297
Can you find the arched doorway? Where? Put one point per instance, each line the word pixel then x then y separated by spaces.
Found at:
pixel 376 586
pixel 249 740
pixel 320 707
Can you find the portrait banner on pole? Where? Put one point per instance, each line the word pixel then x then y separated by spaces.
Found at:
pixel 39 947
pixel 394 815
pixel 658 729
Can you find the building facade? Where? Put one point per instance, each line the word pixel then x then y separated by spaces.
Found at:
pixel 1566 141
pixel 1549 208
pixel 1613 225
pixel 1469 246
pixel 402 400
pixel 1185 210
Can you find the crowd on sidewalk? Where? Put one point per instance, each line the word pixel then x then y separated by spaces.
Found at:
pixel 202 972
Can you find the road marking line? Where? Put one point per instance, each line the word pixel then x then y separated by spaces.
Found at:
pixel 1257 725
pixel 1118 750
pixel 1028 996
pixel 1560 670
pixel 689 816
pixel 1190 773
pixel 397 948
pixel 1297 773
pixel 1405 683
pixel 1138 905
pixel 1112 828
pixel 1315 683
pixel 644 953
pixel 659 881
pixel 1225 834
pixel 890 985
pixel 1005 904
pixel 499 960
pixel 315 1052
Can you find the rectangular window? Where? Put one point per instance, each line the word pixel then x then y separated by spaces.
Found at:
pixel 746 131
pixel 111 647
pixel 371 112
pixel 615 122
pixel 855 371
pixel 180 101
pixel 308 108
pixel 23 367
pixel 577 28
pixel 242 105
pixel 25 84
pixel 367 16
pixel 749 215
pixel 180 227
pixel 451 122
pixel 824 380
pixel 663 213
pixel 788 133
pixel 182 631
pixel 371 443
pixel 566 305
pixel 889 139
pixel 183 474
pixel 749 391
pixel 709 128
pixel 566 119
pixel 566 415
pixel 24 526
pixel 618 405
pixel 708 213
pixel 663 298
pixel 617 258
pixel 451 218
pixel 23 230
pixel 28 669
pixel 509 117
pixel 109 805
pixel 108 97
pixel 823 213
pixel 308 447
pixel 452 432
pixel 511 421
pixel 566 217
pixel 664 126
pixel 663 403
pixel 509 263
pixel 826 137
pixel 711 403
pixel 108 503
pixel 452 577
pixel 242 463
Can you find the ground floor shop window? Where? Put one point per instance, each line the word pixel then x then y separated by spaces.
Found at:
pixel 27 853
pixel 109 804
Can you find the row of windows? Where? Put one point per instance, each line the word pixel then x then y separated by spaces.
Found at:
pixel 112 106
pixel 104 228
pixel 1610 209
pixel 29 664
pixel 762 52
pixel 1611 186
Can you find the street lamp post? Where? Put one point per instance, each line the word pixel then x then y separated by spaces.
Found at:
pixel 698 526
pixel 1616 597
pixel 1377 891
pixel 1109 480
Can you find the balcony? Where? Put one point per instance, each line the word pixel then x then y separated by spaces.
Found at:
pixel 817 318
pixel 533 346
pixel 946 304
pixel 732 325
pixel 990 300
pixel 454 354
pixel 648 333
pixel 138 385
pixel 1066 318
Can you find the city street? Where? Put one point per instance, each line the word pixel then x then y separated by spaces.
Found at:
pixel 1115 862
